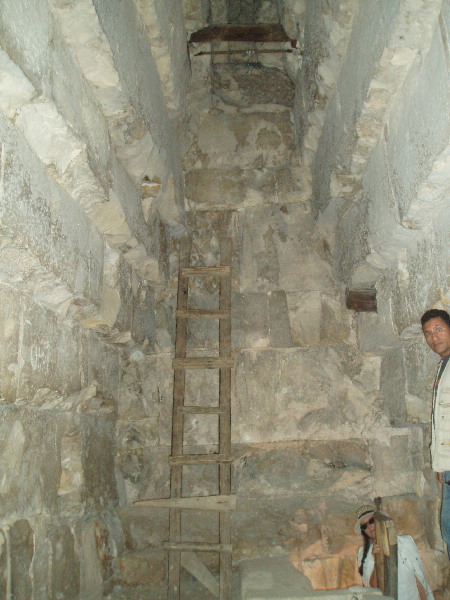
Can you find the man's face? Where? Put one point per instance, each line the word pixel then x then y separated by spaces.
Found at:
pixel 437 336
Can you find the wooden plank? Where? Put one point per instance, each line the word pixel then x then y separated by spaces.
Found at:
pixel 264 32
pixel 202 362
pixel 194 565
pixel 386 561
pixel 361 299
pixel 220 503
pixel 199 313
pixel 196 547
pixel 199 459
pixel 219 271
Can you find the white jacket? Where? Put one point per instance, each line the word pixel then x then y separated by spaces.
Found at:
pixel 409 568
pixel 440 424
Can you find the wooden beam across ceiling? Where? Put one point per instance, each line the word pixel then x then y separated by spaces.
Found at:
pixel 242 33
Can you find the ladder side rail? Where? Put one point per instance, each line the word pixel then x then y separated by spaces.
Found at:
pixel 225 560
pixel 176 471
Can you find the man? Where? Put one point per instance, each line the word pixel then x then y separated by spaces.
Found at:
pixel 436 329
pixel 412 583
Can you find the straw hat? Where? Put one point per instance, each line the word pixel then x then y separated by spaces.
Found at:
pixel 363 511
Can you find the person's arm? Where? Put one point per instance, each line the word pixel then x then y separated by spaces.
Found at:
pixel 440 478
pixel 421 589
pixel 373 582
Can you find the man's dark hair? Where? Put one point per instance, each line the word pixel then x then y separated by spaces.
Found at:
pixel 434 313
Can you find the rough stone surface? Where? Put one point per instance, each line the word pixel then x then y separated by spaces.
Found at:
pixel 327 166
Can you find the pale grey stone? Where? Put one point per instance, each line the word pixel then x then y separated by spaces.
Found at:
pixel 253 141
pixel 244 86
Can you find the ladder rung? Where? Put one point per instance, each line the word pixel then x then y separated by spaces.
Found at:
pixel 199 459
pixel 200 313
pixel 197 547
pixel 217 503
pixel 202 410
pixel 219 271
pixel 203 362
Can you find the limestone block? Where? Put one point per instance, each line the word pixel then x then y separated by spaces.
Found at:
pixel 242 86
pixel 314 396
pixel 58 231
pixel 305 311
pixel 141 569
pixel 265 577
pixel 32 42
pixel 9 340
pixel 49 352
pixel 91 585
pixel 3 564
pixel 144 528
pixel 256 140
pixel 146 390
pixel 21 548
pixel 105 549
pixel 65 564
pixel 101 362
pixel 404 474
pixel 30 461
pixel 250 327
pixel 331 573
pixel 131 50
pixel 135 440
pixel 274 254
pixel 305 471
pixel 239 188
pixel 71 481
pixel 142 472
pixel 393 387
pixel 261 320
pixel 428 86
pixel 336 320
pixel 99 490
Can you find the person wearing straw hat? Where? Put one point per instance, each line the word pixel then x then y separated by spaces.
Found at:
pixel 412 583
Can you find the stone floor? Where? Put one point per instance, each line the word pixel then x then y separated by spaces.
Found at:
pixel 191 589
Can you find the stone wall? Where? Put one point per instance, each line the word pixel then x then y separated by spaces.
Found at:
pixel 327 170
pixel 91 197
pixel 378 191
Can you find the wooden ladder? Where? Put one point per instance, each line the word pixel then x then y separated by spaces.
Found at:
pixel 181 552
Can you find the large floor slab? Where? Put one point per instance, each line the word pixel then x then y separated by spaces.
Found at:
pixel 274 578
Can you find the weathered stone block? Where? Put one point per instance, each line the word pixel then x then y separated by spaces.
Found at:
pixel 404 474
pixel 305 311
pixel 71 481
pixel 318 395
pixel 3 565
pixel 9 339
pixel 255 141
pixel 227 189
pixel 65 571
pixel 142 569
pixel 275 253
pixel 99 489
pixel 240 85
pixel 21 555
pixel 45 363
pixel 30 461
